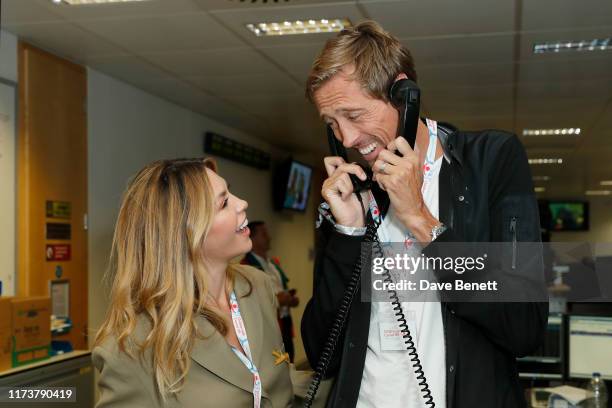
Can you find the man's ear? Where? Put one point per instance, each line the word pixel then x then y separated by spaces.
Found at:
pixel 399 76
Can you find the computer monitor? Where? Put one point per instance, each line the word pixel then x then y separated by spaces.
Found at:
pixel 547 361
pixel 590 346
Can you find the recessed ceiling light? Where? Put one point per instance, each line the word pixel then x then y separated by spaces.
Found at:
pixel 88 2
pixel 606 183
pixel 539 189
pixel 597 44
pixel 546 161
pixel 551 132
pixel 541 178
pixel 598 192
pixel 323 25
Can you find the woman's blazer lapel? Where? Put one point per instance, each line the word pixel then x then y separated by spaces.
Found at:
pixel 215 354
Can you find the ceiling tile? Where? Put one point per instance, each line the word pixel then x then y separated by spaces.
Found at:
pixel 414 18
pixel 587 69
pixel 123 10
pixel 132 69
pixel 259 6
pixel 561 14
pixel 162 33
pixel 31 11
pixel 247 84
pixel 236 20
pixel 229 61
pixel 65 39
pixel 529 39
pixel 465 75
pixel 462 50
pixel 293 58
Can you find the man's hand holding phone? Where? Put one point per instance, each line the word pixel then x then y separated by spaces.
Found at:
pixel 402 178
pixel 338 190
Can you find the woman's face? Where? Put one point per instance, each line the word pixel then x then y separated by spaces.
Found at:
pixel 229 235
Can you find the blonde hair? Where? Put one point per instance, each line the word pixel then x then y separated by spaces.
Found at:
pixel 378 58
pixel 158 268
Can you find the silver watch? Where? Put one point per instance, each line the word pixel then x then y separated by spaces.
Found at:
pixel 437 230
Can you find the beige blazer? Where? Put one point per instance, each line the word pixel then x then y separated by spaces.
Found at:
pixel 216 378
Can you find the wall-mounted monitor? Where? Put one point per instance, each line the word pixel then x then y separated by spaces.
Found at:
pixel 569 215
pixel 292 185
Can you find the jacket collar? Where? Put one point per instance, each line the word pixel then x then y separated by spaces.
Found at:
pixel 452 145
pixel 214 353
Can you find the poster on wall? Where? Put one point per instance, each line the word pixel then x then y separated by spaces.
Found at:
pixel 8 138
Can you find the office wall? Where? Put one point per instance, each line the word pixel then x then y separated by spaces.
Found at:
pixel 8 139
pixel 600 230
pixel 128 128
pixel 8 56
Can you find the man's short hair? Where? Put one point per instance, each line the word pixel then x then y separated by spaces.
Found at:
pixel 253 225
pixel 378 58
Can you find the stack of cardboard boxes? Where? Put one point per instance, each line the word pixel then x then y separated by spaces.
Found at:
pixel 25 330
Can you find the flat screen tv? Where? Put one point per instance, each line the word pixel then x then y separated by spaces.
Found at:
pixel 569 215
pixel 292 185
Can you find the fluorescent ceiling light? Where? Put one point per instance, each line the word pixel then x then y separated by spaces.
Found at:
pixel 597 44
pixel 551 132
pixel 541 178
pixel 606 183
pixel 539 189
pixel 598 192
pixel 546 161
pixel 87 2
pixel 323 25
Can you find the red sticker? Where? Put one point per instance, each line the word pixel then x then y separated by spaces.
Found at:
pixel 58 252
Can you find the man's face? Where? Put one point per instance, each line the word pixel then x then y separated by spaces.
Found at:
pixel 261 238
pixel 359 121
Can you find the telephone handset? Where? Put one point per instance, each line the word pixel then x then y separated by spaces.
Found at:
pixel 404 95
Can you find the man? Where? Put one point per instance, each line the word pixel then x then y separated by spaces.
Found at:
pixel 258 257
pixel 453 186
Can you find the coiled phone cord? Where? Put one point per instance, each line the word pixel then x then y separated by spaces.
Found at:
pixel 371 236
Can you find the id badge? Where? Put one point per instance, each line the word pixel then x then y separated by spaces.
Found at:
pixel 391 337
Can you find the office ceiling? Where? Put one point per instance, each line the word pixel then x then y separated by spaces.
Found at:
pixel 474 60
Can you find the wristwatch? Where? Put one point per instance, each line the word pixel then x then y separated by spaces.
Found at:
pixel 437 230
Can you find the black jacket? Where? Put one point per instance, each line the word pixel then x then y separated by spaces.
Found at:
pixel 486 184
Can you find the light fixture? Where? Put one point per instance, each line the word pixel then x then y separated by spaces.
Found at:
pixel 550 132
pixel 598 192
pixel 546 160
pixel 606 183
pixel 539 189
pixel 597 44
pixel 310 26
pixel 90 2
pixel 541 178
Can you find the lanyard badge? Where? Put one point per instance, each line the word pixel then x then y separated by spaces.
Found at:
pixel 247 359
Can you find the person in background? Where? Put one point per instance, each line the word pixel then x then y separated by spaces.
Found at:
pixel 258 257
pixel 185 328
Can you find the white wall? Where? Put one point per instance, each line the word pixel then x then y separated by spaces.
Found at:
pixel 128 128
pixel 8 56
pixel 8 139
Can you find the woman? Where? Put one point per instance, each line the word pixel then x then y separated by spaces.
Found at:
pixel 174 333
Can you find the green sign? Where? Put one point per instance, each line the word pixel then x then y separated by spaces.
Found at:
pixel 232 150
pixel 59 209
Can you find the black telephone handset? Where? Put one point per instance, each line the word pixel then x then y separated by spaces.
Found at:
pixel 404 95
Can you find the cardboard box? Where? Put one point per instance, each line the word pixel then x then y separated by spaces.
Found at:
pixel 6 333
pixel 31 329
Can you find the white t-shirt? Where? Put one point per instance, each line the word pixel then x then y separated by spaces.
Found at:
pixel 388 376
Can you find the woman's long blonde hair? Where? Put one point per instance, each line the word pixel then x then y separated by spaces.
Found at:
pixel 157 267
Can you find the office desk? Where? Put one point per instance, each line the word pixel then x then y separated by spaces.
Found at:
pixel 72 369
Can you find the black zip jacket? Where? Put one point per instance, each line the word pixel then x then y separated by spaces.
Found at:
pixel 485 195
